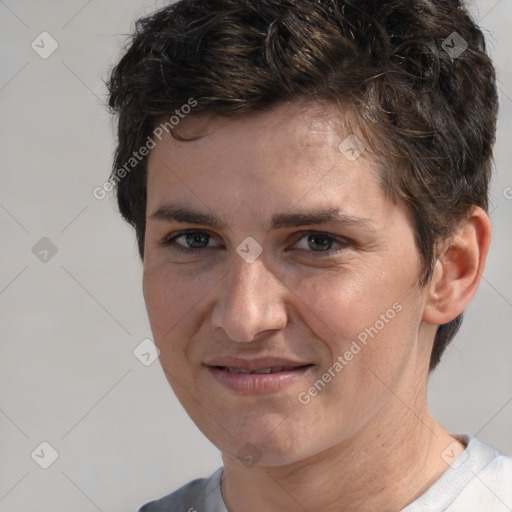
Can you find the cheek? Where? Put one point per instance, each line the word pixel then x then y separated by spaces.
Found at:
pixel 339 305
pixel 365 306
pixel 169 299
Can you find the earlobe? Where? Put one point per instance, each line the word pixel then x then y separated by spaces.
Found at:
pixel 458 269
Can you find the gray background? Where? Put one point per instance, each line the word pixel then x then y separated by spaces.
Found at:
pixel 69 325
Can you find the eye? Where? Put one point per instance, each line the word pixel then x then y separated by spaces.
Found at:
pixel 320 243
pixel 189 241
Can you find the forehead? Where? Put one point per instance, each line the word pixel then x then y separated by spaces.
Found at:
pixel 292 130
pixel 295 152
pixel 302 121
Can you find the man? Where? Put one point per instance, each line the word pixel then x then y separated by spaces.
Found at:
pixel 308 183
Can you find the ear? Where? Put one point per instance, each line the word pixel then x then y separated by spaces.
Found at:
pixel 458 269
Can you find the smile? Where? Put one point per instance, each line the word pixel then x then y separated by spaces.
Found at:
pixel 258 380
pixel 275 369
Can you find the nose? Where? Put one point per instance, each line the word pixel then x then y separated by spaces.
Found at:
pixel 251 302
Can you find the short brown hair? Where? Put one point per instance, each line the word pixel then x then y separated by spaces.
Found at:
pixel 427 102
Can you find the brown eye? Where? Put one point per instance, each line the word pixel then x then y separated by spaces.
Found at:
pixel 189 241
pixel 319 242
pixel 196 240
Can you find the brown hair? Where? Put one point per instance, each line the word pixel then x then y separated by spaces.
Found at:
pixel 415 72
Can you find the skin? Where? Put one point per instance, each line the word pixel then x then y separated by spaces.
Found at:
pixel 369 429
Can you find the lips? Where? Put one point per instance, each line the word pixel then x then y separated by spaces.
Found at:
pixel 256 364
pixel 274 369
pixel 256 376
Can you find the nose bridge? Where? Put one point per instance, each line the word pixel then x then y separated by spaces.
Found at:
pixel 254 285
pixel 251 301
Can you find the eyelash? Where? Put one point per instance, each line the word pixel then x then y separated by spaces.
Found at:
pixel 169 241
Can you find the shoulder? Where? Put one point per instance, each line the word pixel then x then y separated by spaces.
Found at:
pixel 497 477
pixel 198 495
pixel 479 480
pixel 490 480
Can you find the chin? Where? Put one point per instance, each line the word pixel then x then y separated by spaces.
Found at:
pixel 264 451
pixel 265 444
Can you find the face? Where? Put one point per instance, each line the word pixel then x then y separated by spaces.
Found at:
pixel 281 284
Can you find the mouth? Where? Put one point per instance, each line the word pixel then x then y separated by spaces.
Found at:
pixel 272 369
pixel 258 376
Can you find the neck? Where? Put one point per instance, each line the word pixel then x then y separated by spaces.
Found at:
pixel 370 471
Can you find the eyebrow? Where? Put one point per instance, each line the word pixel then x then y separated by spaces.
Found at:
pixel 179 214
pixel 281 220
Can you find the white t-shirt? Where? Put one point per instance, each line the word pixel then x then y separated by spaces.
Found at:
pixel 479 480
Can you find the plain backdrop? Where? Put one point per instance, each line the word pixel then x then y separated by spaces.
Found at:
pixel 71 319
